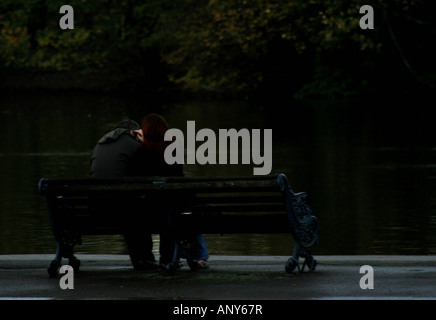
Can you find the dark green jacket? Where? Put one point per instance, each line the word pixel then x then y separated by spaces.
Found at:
pixel 112 154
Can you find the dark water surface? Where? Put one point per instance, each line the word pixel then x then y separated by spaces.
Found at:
pixel 370 172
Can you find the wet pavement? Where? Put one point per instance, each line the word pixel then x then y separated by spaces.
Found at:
pixel 248 278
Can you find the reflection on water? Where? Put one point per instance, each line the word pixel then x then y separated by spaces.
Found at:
pixel 370 175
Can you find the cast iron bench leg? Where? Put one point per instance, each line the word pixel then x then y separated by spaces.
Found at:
pixel 64 238
pixel 292 262
pixel 56 263
pixel 65 249
pixel 303 225
pixel 182 249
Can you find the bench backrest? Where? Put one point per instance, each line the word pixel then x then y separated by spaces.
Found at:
pixel 257 204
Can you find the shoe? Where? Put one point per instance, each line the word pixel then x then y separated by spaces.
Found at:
pixel 201 264
pixel 165 265
pixel 146 265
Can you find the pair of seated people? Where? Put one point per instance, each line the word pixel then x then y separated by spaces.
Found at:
pixel 133 150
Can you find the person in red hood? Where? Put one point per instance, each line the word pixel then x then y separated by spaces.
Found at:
pixel 149 160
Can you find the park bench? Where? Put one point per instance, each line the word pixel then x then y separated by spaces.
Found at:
pixel 222 205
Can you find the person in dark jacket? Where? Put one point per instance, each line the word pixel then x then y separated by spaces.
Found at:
pixel 111 159
pixel 114 151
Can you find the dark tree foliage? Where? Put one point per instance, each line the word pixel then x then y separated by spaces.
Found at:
pixel 301 48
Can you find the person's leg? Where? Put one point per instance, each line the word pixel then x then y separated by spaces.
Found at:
pixel 140 249
pixel 198 254
pixel 200 251
pixel 138 237
pixel 66 239
pixel 167 237
pixel 167 248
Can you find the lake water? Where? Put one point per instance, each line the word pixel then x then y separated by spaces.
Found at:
pixel 370 171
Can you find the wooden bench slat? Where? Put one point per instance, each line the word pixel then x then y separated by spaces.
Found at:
pixel 223 224
pixel 133 186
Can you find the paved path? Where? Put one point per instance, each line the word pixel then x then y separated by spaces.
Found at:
pixel 229 278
